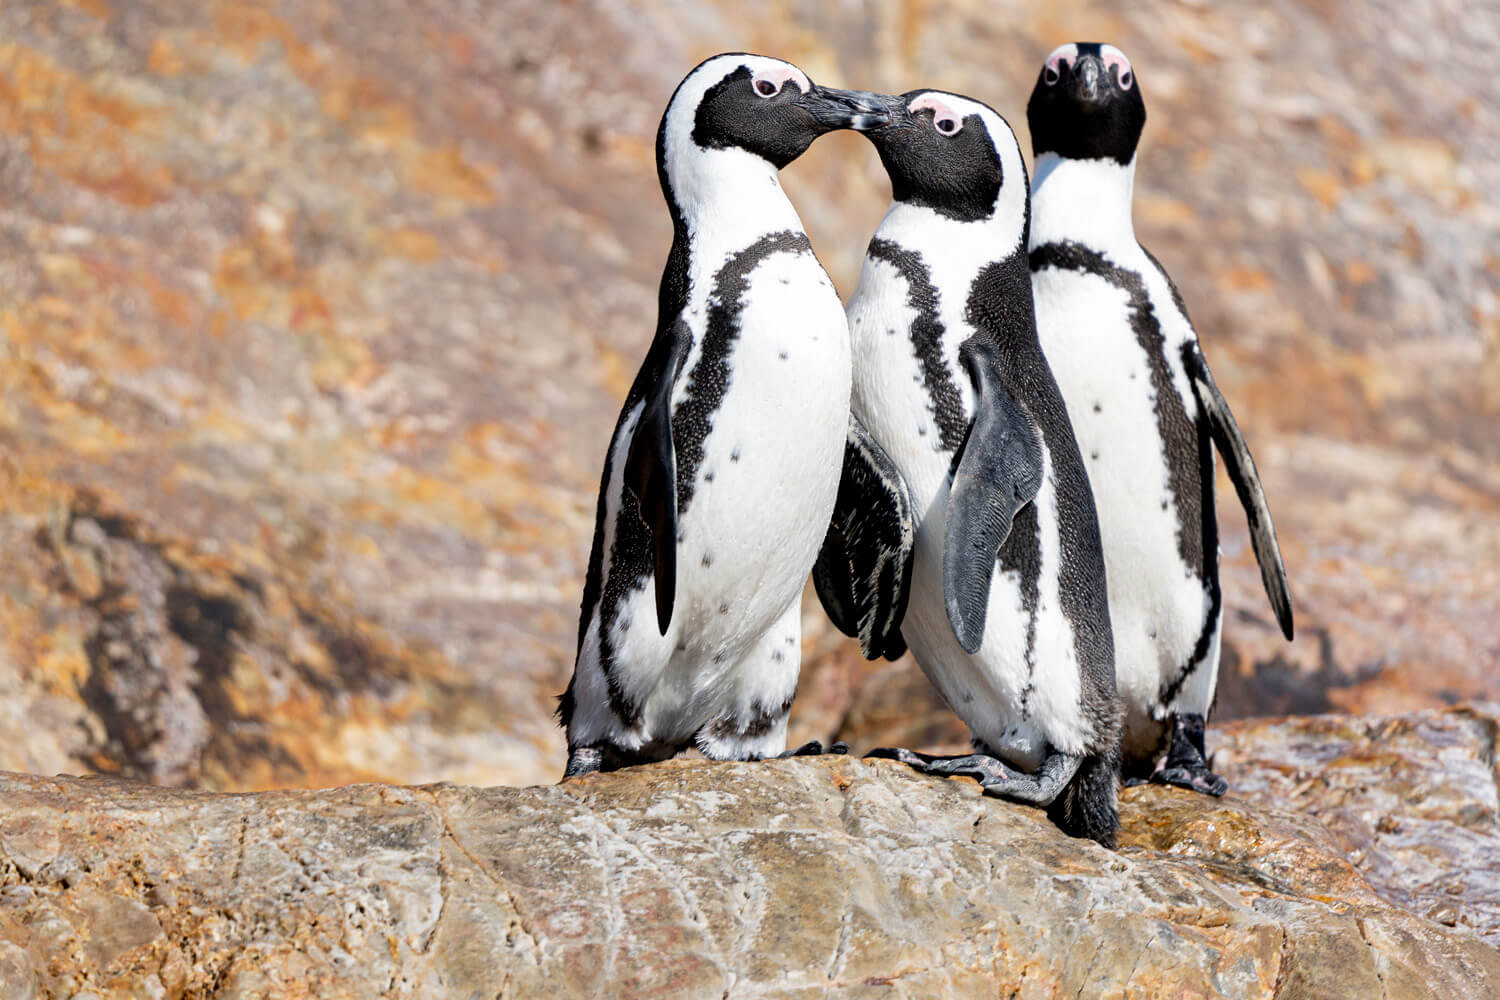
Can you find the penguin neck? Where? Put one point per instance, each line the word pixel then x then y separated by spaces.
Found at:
pixel 953 250
pixel 725 199
pixel 952 260
pixel 1086 201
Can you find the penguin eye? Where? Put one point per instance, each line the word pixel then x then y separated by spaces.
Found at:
pixel 1126 79
pixel 767 88
pixel 1049 75
pixel 947 125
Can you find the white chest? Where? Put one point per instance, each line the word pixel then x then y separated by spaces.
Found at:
pixel 1087 329
pixel 1020 691
pixel 772 452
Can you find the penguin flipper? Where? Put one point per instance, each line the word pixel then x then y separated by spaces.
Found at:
pixel 999 471
pixel 863 572
pixel 650 471
pixel 1241 467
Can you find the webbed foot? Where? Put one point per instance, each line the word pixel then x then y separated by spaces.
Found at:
pixel 583 760
pixel 993 774
pixel 1186 765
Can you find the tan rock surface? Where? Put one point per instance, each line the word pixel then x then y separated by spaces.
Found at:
pixel 827 877
pixel 1410 800
pixel 314 318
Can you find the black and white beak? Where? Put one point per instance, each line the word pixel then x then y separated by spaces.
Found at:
pixel 837 109
pixel 1089 78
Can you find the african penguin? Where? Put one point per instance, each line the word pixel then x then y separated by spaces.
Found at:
pixel 1006 610
pixel 722 471
pixel 1145 408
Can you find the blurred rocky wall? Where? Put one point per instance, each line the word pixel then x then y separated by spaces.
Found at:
pixel 315 317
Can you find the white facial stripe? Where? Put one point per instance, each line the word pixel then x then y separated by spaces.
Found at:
pixel 780 73
pixel 946 117
pixel 1113 57
pixel 937 104
pixel 1063 55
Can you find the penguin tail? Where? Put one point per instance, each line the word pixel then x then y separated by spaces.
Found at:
pixel 1088 807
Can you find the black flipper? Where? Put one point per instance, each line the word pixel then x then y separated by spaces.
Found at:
pixel 863 572
pixel 1241 468
pixel 651 464
pixel 999 471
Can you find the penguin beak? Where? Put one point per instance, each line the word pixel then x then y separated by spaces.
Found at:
pixel 898 115
pixel 837 109
pixel 1086 77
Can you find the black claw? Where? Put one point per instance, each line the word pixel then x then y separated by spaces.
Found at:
pixel 811 749
pixel 905 756
pixel 840 748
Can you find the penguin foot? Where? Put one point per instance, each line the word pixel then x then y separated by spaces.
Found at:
pixel 583 760
pixel 993 774
pixel 1186 765
pixel 814 749
pixel 1197 779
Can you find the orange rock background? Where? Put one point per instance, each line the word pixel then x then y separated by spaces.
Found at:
pixel 315 317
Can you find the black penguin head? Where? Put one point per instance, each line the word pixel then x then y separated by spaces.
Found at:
pixel 1086 104
pixel 754 104
pixel 952 154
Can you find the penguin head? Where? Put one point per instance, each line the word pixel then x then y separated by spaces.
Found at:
pixel 952 154
pixel 751 105
pixel 1086 104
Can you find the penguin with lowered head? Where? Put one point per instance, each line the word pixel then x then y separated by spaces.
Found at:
pixel 968 443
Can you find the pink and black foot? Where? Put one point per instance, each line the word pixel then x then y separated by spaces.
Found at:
pixel 993 774
pixel 1078 792
pixel 1186 765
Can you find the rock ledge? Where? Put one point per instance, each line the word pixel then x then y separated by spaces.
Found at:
pixel 828 877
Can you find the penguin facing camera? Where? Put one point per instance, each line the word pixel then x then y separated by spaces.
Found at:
pixel 1146 409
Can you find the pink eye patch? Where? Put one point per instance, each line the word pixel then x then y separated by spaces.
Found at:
pixel 1062 56
pixel 945 118
pixel 779 75
pixel 1115 59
